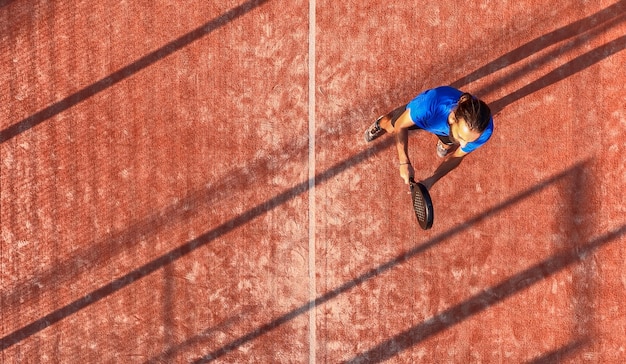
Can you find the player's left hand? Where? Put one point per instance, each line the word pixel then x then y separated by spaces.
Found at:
pixel 407 172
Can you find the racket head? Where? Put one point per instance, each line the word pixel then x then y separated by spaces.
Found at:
pixel 422 205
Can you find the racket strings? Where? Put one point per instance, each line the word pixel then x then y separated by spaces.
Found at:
pixel 418 206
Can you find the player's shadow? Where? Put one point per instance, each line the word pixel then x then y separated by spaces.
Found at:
pixel 374 272
pixel 571 252
pixel 482 301
pixel 371 274
pixel 456 314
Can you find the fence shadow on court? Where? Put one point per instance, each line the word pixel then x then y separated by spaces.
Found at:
pixel 4 3
pixel 484 300
pixel 103 251
pixel 501 292
pixel 128 71
pixel 579 32
pixel 562 72
pixel 557 356
pixel 576 194
pixel 455 314
pixel 186 248
pixel 459 313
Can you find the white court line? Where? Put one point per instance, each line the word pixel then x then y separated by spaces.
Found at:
pixel 312 128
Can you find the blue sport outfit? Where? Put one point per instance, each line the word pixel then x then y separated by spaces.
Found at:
pixel 430 109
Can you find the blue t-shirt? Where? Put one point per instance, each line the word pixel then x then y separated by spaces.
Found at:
pixel 430 110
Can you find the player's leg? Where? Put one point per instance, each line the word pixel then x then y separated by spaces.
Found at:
pixel 383 124
pixel 388 121
pixel 445 146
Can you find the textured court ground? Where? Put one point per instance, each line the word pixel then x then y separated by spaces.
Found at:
pixel 186 182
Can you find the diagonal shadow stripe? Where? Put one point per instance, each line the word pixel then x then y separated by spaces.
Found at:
pixel 122 74
pixel 555 53
pixel 169 355
pixel 558 355
pixel 263 329
pixel 562 72
pixel 104 249
pixel 484 300
pixel 544 41
pixel 187 248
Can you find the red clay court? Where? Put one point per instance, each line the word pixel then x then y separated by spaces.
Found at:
pixel 187 182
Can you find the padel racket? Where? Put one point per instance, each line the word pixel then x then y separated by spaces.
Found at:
pixel 422 204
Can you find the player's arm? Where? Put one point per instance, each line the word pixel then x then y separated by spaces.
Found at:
pixel 450 163
pixel 402 141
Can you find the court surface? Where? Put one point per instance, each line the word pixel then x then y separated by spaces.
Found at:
pixel 187 182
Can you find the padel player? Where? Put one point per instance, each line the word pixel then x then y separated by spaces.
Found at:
pixel 461 121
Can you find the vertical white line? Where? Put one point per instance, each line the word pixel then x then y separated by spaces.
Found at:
pixel 312 228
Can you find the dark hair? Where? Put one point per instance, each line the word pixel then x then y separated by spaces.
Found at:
pixel 475 112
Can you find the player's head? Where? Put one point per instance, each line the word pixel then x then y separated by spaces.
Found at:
pixel 469 119
pixel 474 111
